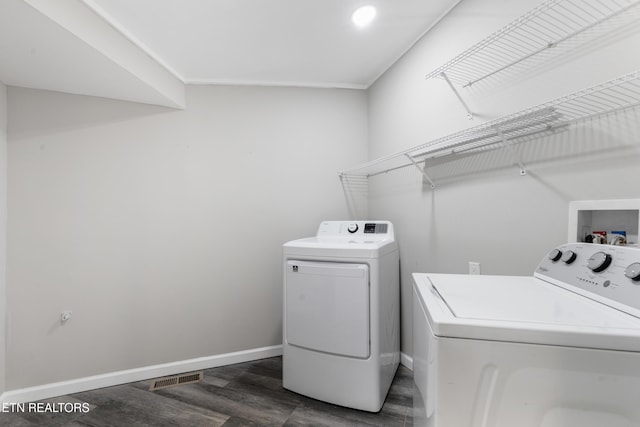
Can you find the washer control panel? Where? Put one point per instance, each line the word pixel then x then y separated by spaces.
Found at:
pixel 612 272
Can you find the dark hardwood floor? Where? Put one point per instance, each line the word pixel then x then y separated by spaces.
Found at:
pixel 245 394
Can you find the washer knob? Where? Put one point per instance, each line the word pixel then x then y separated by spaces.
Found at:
pixel 633 271
pixel 568 257
pixel 555 255
pixel 352 228
pixel 599 261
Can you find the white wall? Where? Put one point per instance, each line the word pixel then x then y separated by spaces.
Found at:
pixel 161 229
pixel 482 209
pixel 3 231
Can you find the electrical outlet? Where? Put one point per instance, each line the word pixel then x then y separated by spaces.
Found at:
pixel 474 267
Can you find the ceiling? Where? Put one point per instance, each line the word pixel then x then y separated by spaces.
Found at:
pixel 146 50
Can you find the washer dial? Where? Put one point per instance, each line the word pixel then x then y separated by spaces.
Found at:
pixel 352 228
pixel 568 257
pixel 555 255
pixel 633 271
pixel 599 261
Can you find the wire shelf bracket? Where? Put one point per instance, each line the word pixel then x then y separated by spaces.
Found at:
pixel 455 91
pixel 507 144
pixel 422 170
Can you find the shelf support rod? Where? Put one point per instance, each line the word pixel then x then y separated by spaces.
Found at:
pixel 507 144
pixel 420 169
pixel 455 91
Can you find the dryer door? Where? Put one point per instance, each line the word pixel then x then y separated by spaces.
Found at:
pixel 327 307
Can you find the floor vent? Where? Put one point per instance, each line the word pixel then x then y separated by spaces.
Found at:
pixel 175 380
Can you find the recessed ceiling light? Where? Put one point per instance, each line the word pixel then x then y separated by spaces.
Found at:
pixel 363 16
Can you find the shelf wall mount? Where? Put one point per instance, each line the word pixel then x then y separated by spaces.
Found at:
pixel 455 91
pixel 508 146
pixel 422 170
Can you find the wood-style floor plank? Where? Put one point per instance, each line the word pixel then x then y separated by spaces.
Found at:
pixel 247 394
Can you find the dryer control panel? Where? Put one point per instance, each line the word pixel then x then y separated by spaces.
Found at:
pixel 377 229
pixel 610 274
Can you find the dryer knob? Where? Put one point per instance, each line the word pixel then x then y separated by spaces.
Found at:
pixel 599 261
pixel 633 271
pixel 555 255
pixel 568 257
pixel 352 228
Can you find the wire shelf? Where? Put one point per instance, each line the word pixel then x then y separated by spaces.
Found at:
pixel 538 34
pixel 606 98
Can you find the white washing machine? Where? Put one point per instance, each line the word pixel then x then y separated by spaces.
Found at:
pixel 559 349
pixel 341 337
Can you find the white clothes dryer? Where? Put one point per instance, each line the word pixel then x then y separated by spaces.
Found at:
pixel 559 349
pixel 341 337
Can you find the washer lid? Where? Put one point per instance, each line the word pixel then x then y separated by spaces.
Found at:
pixel 524 299
pixel 522 309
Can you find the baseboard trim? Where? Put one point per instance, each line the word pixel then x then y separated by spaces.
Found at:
pixel 406 361
pixel 62 388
